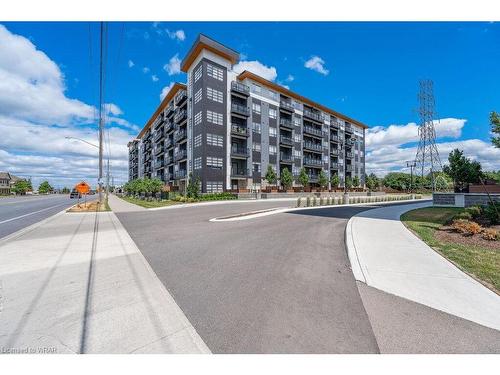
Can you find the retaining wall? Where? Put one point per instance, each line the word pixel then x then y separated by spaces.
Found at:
pixel 462 199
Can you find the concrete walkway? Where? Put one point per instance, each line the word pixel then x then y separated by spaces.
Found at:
pixel 387 256
pixel 77 283
pixel 119 205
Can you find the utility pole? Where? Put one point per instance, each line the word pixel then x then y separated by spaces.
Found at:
pixel 411 165
pixel 101 125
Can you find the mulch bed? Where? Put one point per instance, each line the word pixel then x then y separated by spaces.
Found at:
pixel 447 234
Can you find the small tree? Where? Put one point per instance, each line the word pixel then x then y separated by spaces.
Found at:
pixel 372 181
pixel 193 188
pixel 334 181
pixel 21 187
pixel 270 176
pixel 355 181
pixel 155 185
pixel 462 170
pixel 348 183
pixel 65 190
pixel 45 188
pixel 441 183
pixel 322 179
pixel 495 128
pixel 303 177
pixel 286 179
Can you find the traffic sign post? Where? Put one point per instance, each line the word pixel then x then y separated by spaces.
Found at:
pixel 83 189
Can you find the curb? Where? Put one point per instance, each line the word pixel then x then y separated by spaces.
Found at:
pixel 352 254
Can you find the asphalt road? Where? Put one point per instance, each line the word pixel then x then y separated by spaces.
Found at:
pixel 19 212
pixel 282 284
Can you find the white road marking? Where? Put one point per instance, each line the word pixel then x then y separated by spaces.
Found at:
pixel 31 213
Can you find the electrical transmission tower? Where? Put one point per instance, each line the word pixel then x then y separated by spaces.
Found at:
pixel 427 159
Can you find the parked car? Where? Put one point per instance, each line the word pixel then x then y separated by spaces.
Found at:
pixel 75 194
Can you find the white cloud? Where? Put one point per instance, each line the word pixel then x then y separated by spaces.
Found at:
pixel 165 90
pixel 180 35
pixel 385 151
pixel 130 64
pixel 317 64
pixel 154 78
pixel 36 116
pixel 173 66
pixel 145 70
pixel 289 78
pixel 401 134
pixel 256 67
pixel 113 109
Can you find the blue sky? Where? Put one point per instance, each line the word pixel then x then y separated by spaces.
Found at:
pixel 369 71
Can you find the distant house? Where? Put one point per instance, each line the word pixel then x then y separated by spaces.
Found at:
pixel 7 181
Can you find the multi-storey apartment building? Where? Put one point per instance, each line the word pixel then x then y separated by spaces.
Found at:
pixel 226 128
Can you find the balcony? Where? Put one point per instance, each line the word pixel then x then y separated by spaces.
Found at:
pixel 286 141
pixel 348 129
pixel 240 172
pixel 286 158
pixel 158 135
pixel 168 176
pixel 169 160
pixel 349 168
pixel 160 164
pixel 159 150
pixel 334 138
pixel 334 124
pixel 169 126
pixel 313 115
pixel 238 151
pixel 240 109
pixel 334 165
pixel 180 155
pixel 313 162
pixel 349 142
pixel 180 174
pixel 180 135
pixel 313 146
pixel 158 121
pixel 312 131
pixel 169 110
pixel 349 155
pixel 334 151
pixel 286 106
pixel 180 115
pixel 240 88
pixel 239 130
pixel 169 142
pixel 180 97
pixel 285 123
pixel 313 177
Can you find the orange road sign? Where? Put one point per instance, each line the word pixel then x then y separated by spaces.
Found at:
pixel 82 187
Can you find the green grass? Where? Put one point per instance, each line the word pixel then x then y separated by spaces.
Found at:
pixel 149 204
pixel 482 263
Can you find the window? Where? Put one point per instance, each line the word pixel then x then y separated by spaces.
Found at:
pixel 297 137
pixel 256 167
pixel 215 118
pixel 256 88
pixel 214 186
pixel 197 141
pixel 272 132
pixel 197 118
pixel 198 73
pixel 256 108
pixel 297 154
pixel 256 146
pixel 215 140
pixel 272 113
pixel 214 162
pixel 197 163
pixel 215 95
pixel 215 72
pixel 296 121
pixel 272 150
pixel 257 127
pixel 295 170
pixel 273 166
pixel 326 158
pixel 197 96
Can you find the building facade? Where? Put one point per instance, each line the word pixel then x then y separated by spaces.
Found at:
pixel 226 128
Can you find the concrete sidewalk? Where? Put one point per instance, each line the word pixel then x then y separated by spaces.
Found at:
pixel 119 205
pixel 78 284
pixel 387 256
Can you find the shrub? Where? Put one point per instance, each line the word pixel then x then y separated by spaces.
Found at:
pixel 463 216
pixel 217 196
pixel 491 212
pixel 474 211
pixel 466 227
pixel 491 234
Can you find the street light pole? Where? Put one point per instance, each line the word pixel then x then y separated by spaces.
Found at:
pixel 411 165
pixel 100 112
